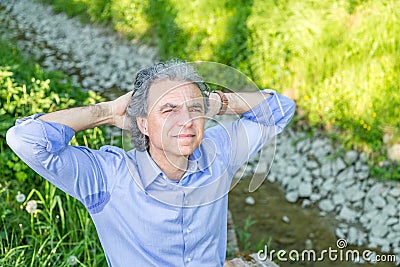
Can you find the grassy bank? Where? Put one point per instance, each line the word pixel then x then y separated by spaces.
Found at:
pixel 40 225
pixel 339 58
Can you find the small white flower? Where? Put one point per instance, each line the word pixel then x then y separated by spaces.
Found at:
pixel 72 260
pixel 20 197
pixel 31 206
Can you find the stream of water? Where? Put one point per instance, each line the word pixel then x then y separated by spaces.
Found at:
pixel 304 227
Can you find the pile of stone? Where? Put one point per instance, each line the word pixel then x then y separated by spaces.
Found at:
pixel 313 172
pixel 94 57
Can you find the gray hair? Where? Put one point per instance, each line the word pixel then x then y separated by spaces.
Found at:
pixel 138 107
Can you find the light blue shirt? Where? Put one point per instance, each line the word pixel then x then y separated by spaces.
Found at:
pixel 143 218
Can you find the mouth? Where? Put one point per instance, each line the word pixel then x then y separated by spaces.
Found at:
pixel 184 136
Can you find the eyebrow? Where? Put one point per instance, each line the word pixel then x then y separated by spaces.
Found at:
pixel 170 105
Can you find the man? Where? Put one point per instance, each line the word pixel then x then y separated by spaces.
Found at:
pixel 163 203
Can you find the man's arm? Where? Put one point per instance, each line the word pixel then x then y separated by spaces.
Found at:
pixel 42 143
pixel 263 117
pixel 82 118
pixel 113 112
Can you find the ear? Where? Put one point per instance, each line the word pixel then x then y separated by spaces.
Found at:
pixel 142 124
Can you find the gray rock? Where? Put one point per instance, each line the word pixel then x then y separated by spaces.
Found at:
pixel 392 221
pixel 381 220
pixel 311 164
pixel 315 197
pixel 305 189
pixel 303 146
pixel 363 175
pixel 317 182
pixel 285 219
pixel 339 233
pixel 292 170
pixel 306 203
pixel 348 214
pixel 294 183
pixel 378 201
pixel 323 193
pixel 271 177
pixel 379 231
pixel 376 190
pixel 326 205
pixel 328 185
pixel 352 236
pixel 356 195
pixel 358 166
pixel 322 152
pixel 395 191
pixel 390 210
pixel 338 199
pixel 364 220
pixel 362 238
pixel 338 166
pixel 292 196
pixel 391 200
pixel 319 143
pixel 316 172
pixel 307 178
pixel 351 157
pixel 396 227
pixel 346 175
pixel 250 201
pixel 326 170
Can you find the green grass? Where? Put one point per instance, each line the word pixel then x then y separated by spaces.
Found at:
pixel 60 227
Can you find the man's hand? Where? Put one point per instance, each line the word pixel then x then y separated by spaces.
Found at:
pixel 118 111
pixel 82 118
pixel 238 103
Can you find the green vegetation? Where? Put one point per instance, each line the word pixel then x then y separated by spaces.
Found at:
pixel 339 58
pixel 244 237
pixel 40 225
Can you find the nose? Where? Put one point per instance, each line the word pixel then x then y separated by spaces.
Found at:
pixel 185 119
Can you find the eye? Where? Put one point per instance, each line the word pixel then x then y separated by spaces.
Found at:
pixel 169 110
pixel 195 110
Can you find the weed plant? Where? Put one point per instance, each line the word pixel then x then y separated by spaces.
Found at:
pixel 40 225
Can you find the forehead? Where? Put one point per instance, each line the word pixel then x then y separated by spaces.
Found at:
pixel 174 92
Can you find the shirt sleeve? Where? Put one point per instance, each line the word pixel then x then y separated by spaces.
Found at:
pixel 79 171
pixel 246 136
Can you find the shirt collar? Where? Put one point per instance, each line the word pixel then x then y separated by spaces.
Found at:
pixel 149 171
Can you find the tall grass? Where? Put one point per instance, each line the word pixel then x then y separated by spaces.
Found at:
pixel 40 225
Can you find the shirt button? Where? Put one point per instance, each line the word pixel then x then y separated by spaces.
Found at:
pixel 189 259
pixel 188 230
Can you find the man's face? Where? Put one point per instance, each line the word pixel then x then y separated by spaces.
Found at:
pixel 175 121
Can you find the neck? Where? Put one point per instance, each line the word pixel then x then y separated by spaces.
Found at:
pixel 173 166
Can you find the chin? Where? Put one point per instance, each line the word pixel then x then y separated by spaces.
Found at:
pixel 186 151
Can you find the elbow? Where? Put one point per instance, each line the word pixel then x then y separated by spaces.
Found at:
pixel 291 109
pixel 288 109
pixel 13 139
